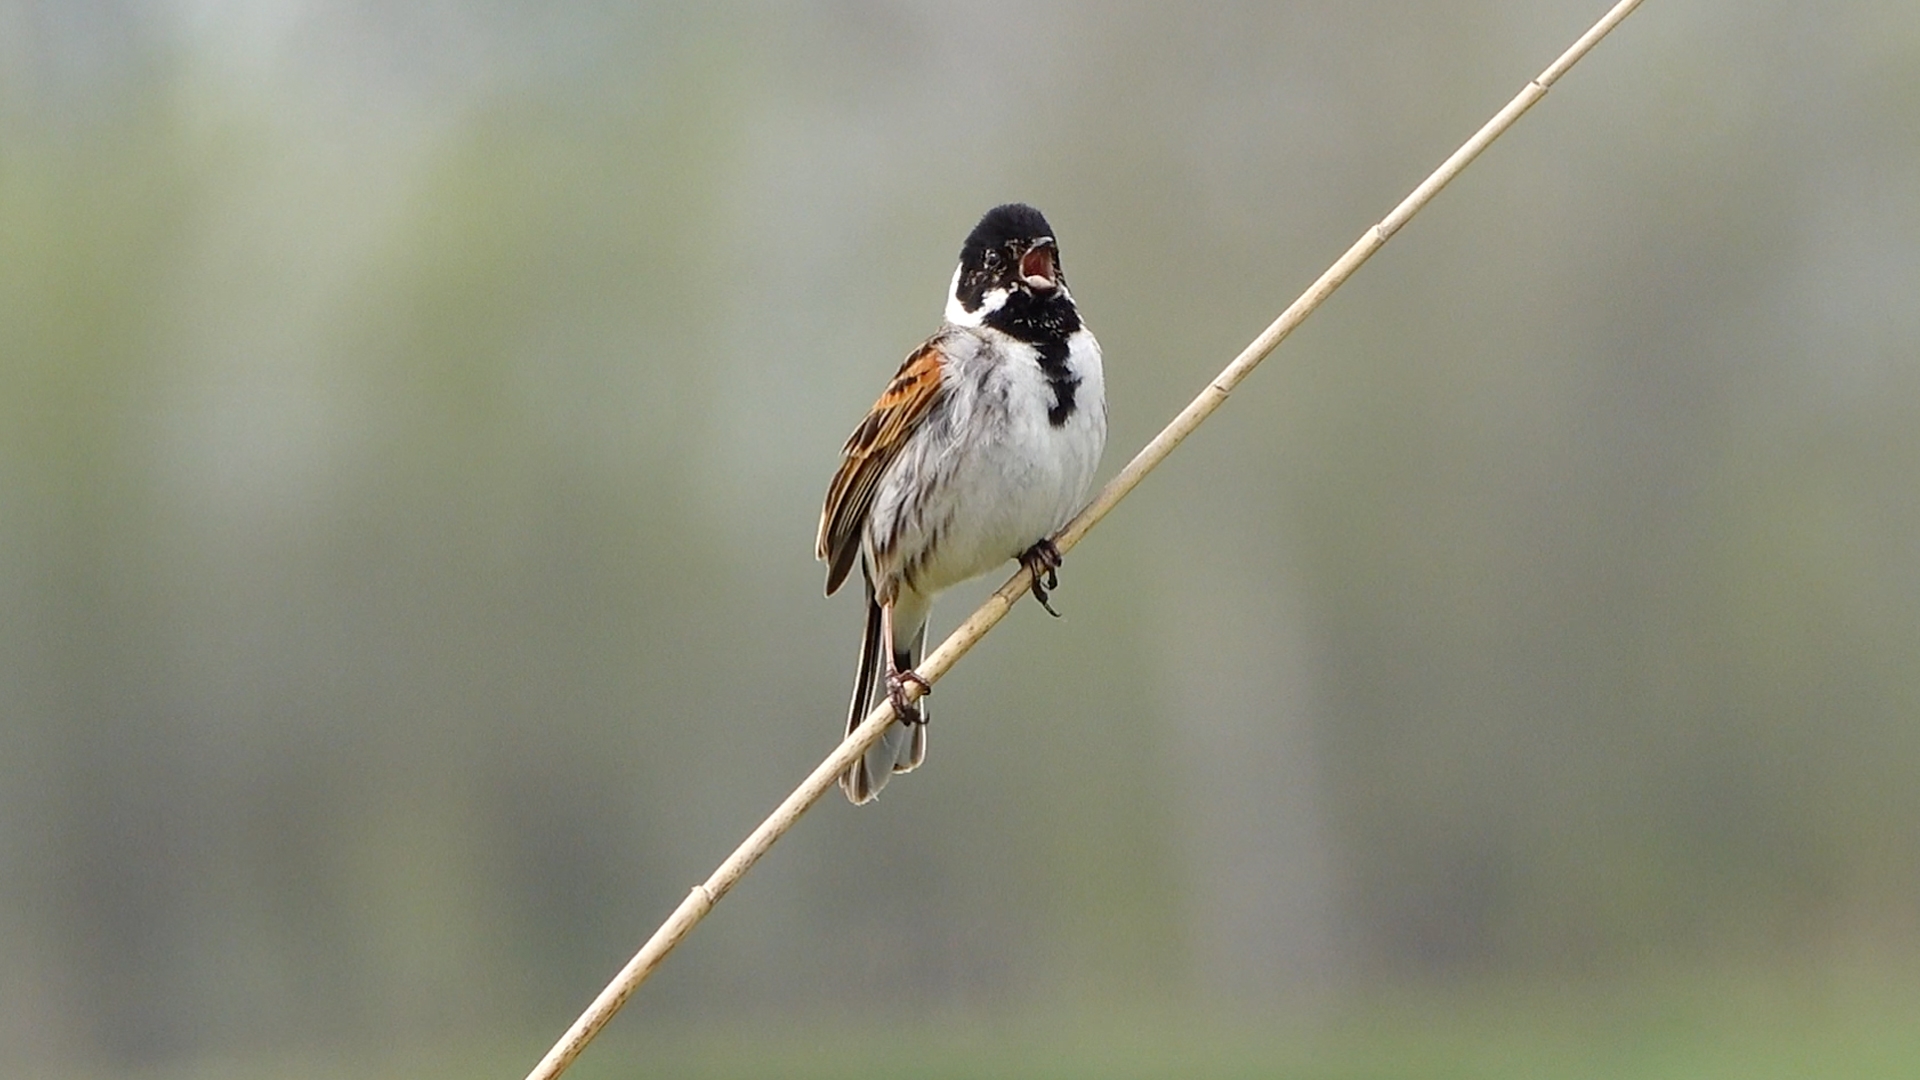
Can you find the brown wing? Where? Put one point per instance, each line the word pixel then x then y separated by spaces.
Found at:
pixel 871 448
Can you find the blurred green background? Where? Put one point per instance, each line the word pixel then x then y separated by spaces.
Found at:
pixel 413 421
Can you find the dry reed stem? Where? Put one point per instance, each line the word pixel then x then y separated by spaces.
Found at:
pixel 704 896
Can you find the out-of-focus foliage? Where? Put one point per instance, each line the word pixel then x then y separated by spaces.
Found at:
pixel 413 421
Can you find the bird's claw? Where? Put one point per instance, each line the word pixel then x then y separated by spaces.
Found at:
pixel 1043 560
pixel 907 712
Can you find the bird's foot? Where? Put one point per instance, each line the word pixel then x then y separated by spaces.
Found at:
pixel 907 711
pixel 1043 560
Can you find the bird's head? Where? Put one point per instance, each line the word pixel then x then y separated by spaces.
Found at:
pixel 1010 258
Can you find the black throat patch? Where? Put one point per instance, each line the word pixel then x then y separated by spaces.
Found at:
pixel 1044 323
pixel 1053 364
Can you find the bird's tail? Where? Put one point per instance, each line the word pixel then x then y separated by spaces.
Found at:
pixel 904 746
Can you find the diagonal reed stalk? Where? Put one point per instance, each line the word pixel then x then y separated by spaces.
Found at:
pixel 941 660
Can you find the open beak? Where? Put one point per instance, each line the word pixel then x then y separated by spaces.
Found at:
pixel 1038 268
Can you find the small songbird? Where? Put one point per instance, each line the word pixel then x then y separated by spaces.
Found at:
pixel 981 448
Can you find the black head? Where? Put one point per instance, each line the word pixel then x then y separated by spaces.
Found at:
pixel 1010 277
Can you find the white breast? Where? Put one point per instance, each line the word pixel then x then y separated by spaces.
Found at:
pixel 990 474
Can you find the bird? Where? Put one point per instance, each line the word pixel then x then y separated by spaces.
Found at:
pixel 982 446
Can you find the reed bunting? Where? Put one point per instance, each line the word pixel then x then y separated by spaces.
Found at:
pixel 983 445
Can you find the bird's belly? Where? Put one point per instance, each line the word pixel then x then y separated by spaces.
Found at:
pixel 1004 495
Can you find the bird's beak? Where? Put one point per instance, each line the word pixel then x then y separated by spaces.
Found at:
pixel 1038 268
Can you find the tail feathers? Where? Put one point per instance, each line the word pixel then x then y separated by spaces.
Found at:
pixel 903 747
